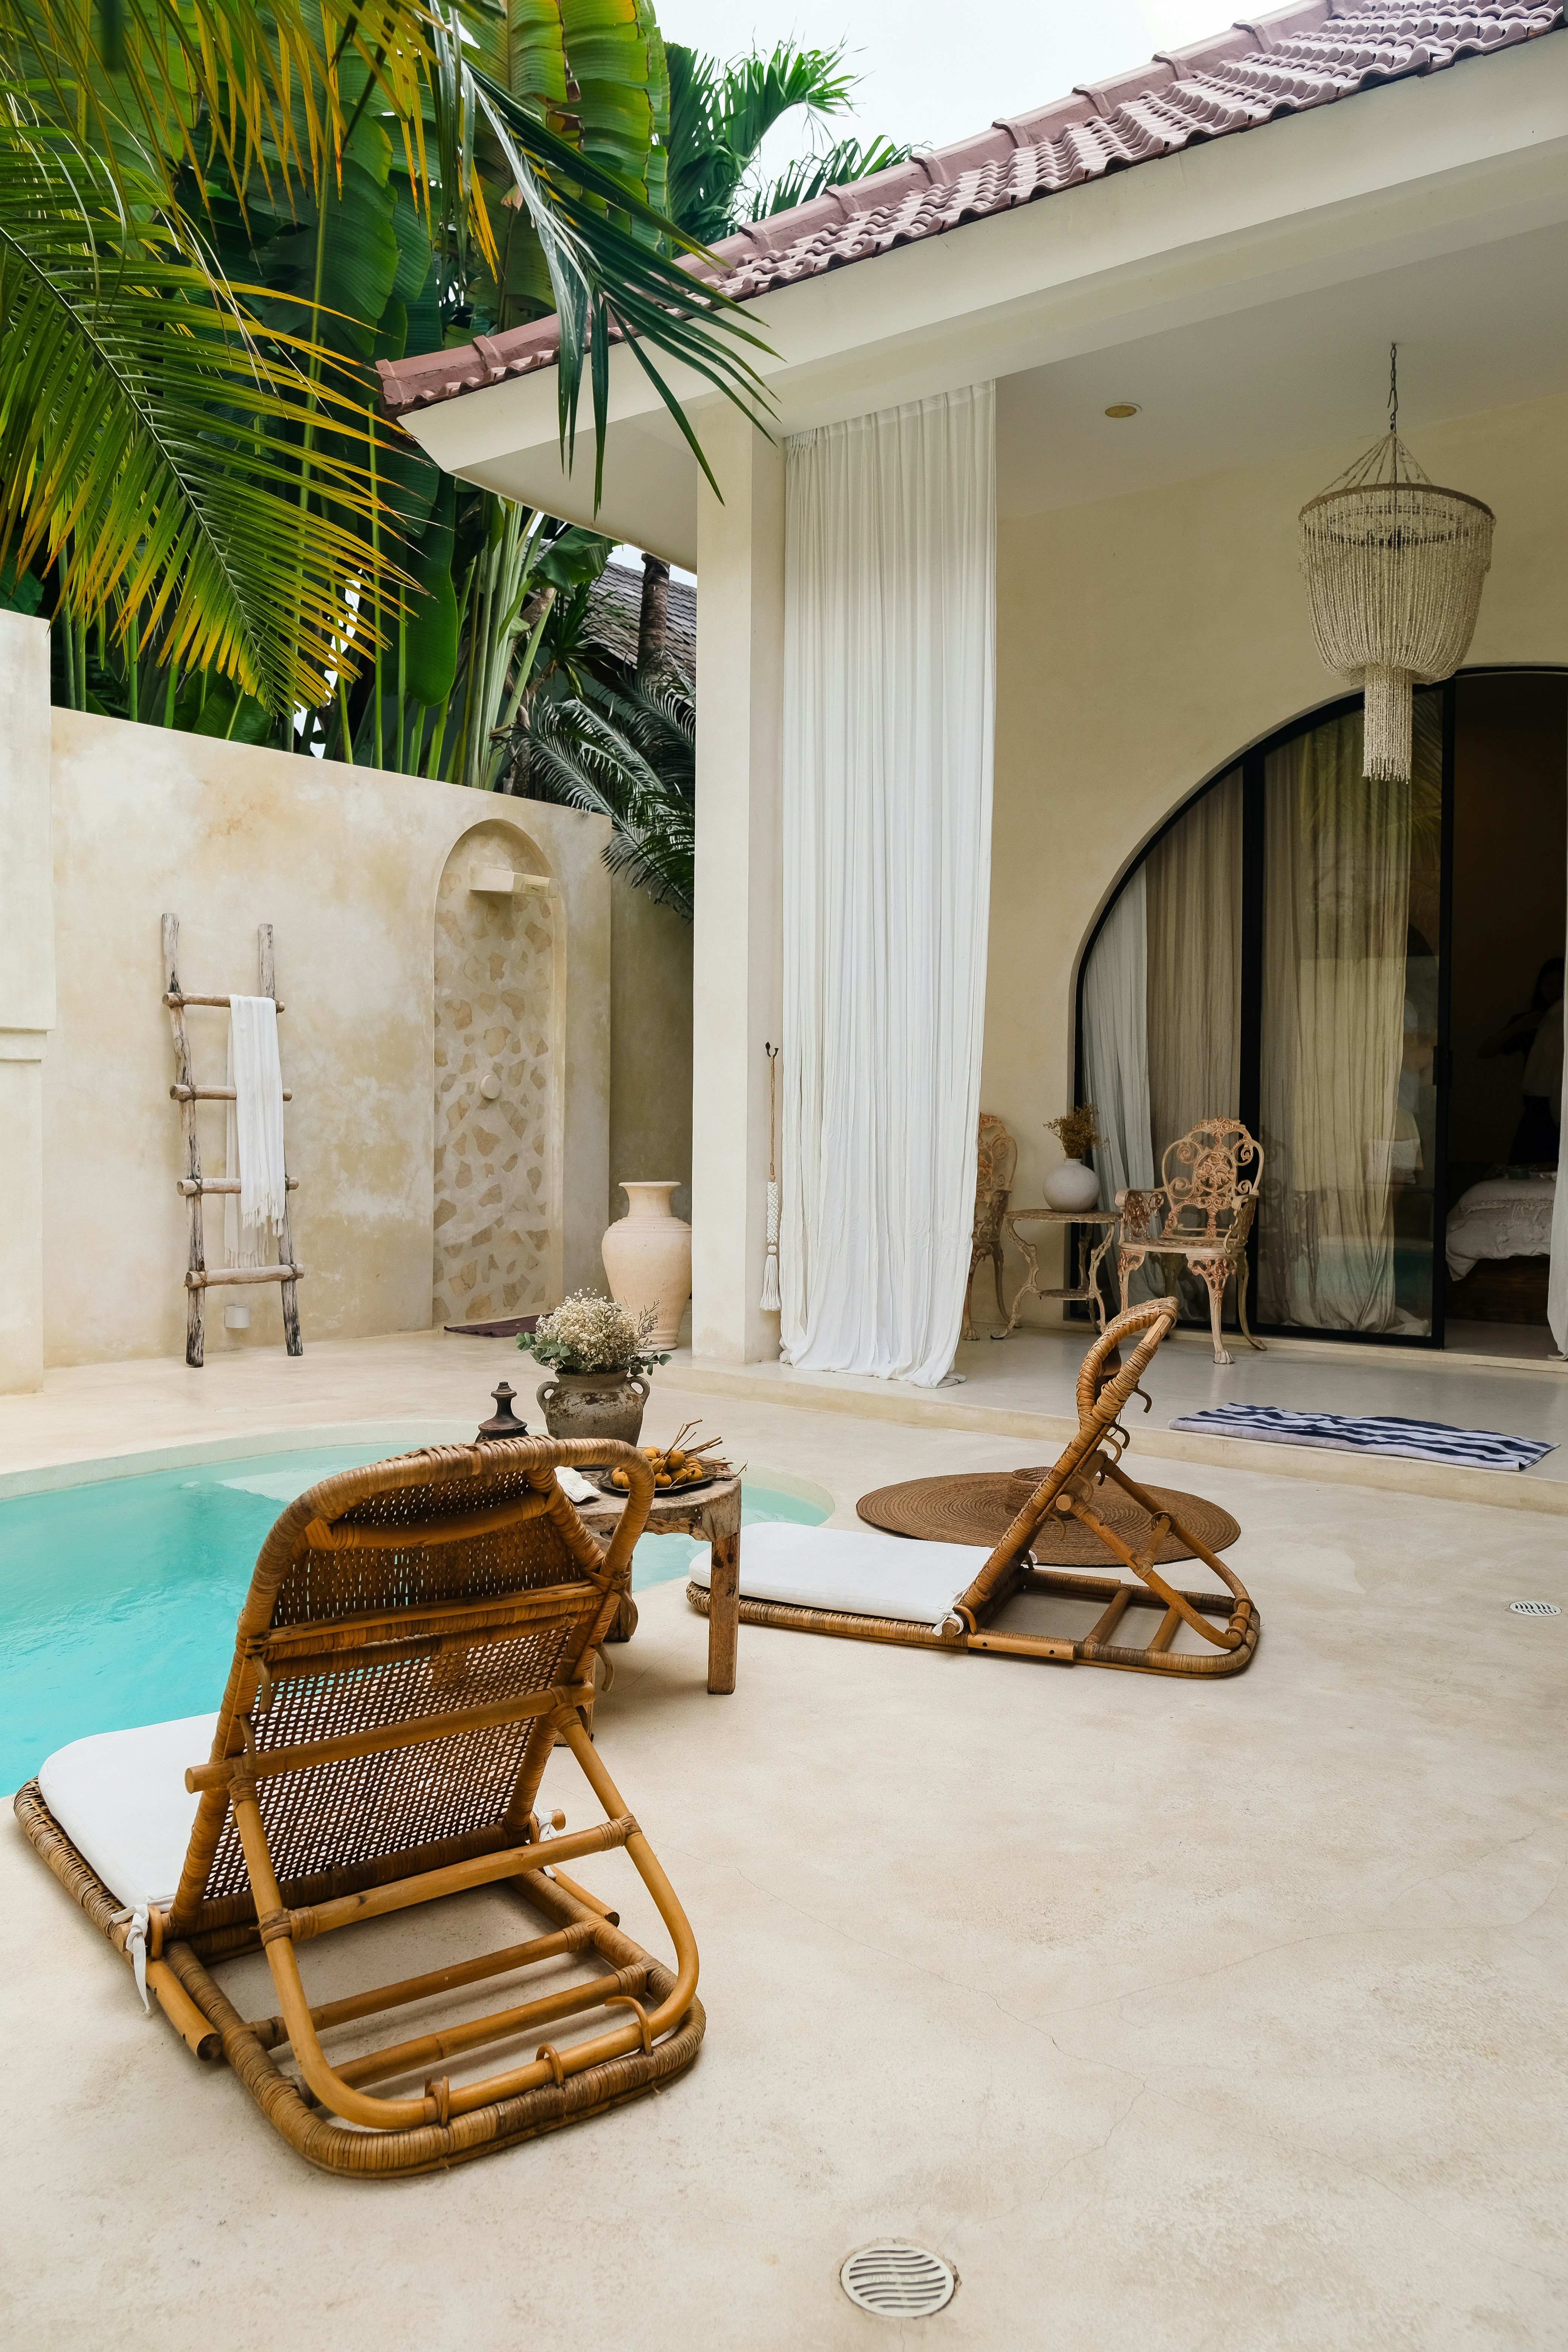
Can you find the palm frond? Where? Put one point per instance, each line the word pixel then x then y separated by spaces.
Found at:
pixel 268 84
pixel 581 750
pixel 611 280
pixel 143 433
pixel 810 175
pixel 720 115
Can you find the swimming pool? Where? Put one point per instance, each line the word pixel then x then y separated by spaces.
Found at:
pixel 118 1599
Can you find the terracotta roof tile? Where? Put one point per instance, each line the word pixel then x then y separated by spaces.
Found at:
pixel 1258 69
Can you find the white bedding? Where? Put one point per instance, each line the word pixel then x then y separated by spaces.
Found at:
pixel 1508 1216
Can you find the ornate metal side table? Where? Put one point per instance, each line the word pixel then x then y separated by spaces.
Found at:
pixel 1029 1250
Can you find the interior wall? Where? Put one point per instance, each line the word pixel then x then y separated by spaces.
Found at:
pixel 1510 858
pixel 1143 641
pixel 650 1047
pixel 345 863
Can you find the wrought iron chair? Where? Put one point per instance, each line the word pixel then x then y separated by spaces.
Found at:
pixel 997 1161
pixel 1198 1216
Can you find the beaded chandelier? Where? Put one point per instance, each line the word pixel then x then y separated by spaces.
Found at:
pixel 1393 567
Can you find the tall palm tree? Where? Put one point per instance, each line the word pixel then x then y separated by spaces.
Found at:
pixel 719 116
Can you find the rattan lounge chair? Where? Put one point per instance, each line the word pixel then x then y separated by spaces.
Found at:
pixel 943 1596
pixel 418 1636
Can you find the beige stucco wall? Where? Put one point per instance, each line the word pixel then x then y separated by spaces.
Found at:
pixel 344 863
pixel 650 1047
pixel 1142 643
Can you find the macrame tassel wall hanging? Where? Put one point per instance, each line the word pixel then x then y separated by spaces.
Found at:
pixel 772 1302
pixel 1393 567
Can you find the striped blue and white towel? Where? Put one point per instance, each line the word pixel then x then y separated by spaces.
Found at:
pixel 1389 1433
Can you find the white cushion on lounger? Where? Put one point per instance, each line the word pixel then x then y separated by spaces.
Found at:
pixel 121 1799
pixel 839 1568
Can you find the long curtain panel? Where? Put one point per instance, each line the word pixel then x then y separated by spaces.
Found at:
pixel 1116 1042
pixel 1194 881
pixel 890 664
pixel 1336 921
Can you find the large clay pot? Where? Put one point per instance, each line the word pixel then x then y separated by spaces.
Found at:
pixel 647 1256
pixel 594 1404
pixel 1072 1186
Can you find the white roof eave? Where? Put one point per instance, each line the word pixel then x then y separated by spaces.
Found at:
pixel 1425 165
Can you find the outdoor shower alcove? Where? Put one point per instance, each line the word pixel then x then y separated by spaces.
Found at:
pixel 1369 976
pixel 499 995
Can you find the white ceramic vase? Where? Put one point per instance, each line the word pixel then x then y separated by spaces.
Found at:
pixel 1072 1186
pixel 647 1256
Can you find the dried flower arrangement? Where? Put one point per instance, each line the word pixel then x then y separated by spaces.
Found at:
pixel 1077 1131
pixel 588 1333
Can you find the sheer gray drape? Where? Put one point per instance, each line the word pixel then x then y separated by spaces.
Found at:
pixel 1335 923
pixel 1161 993
pixel 1116 1042
pixel 1195 967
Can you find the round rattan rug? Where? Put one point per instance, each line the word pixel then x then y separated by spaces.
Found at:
pixel 979 1508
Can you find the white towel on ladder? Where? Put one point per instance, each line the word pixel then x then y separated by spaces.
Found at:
pixel 253 1139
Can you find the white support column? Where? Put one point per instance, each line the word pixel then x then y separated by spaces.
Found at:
pixel 27 991
pixel 736 977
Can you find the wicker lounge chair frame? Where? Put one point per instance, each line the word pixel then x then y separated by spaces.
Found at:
pixel 417 1638
pixel 1105 1386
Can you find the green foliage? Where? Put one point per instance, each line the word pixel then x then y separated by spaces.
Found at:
pixel 203 251
pixel 19 591
pixel 139 454
pixel 832 167
pixel 719 116
pixel 430 668
pixel 598 735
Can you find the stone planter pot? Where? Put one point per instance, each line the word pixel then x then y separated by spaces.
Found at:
pixel 1072 1186
pixel 647 1256
pixel 594 1404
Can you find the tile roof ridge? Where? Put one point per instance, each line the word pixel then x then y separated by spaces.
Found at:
pixel 1255 70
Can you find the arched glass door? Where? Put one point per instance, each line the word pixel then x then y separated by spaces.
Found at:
pixel 1284 952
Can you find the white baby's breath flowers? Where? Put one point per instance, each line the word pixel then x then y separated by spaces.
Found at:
pixel 589 1333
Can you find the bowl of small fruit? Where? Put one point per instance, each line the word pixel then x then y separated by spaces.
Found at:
pixel 687 1462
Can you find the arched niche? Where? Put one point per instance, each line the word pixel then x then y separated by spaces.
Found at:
pixel 499 991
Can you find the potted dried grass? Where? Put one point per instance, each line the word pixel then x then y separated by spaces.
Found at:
pixel 1072 1185
pixel 596 1357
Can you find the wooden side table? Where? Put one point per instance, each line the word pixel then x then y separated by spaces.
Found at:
pixel 713 1515
pixel 1030 1252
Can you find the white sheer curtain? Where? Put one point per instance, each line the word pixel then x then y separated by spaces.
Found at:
pixel 1194 881
pixel 890 660
pixel 1116 1042
pixel 1336 917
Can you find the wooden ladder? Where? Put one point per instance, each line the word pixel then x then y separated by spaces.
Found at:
pixel 195 1186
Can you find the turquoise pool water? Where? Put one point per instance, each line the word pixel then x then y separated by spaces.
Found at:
pixel 118 1599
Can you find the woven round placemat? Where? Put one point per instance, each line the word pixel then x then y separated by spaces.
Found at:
pixel 979 1507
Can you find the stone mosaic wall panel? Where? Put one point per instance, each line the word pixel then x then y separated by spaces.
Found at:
pixel 496 1159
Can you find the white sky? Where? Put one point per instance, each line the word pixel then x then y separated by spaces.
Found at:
pixel 933 72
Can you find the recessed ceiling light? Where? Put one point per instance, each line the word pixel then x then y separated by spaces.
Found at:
pixel 1122 408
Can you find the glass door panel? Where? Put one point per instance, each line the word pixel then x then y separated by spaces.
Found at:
pixel 1348 1112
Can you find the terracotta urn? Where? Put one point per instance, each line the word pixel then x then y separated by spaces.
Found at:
pixel 647 1256
pixel 1072 1186
pixel 594 1404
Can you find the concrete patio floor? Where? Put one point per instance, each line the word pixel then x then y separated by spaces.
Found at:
pixel 1173 2016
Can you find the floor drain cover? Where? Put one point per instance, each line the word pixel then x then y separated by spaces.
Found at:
pixel 897 2282
pixel 1535 1609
